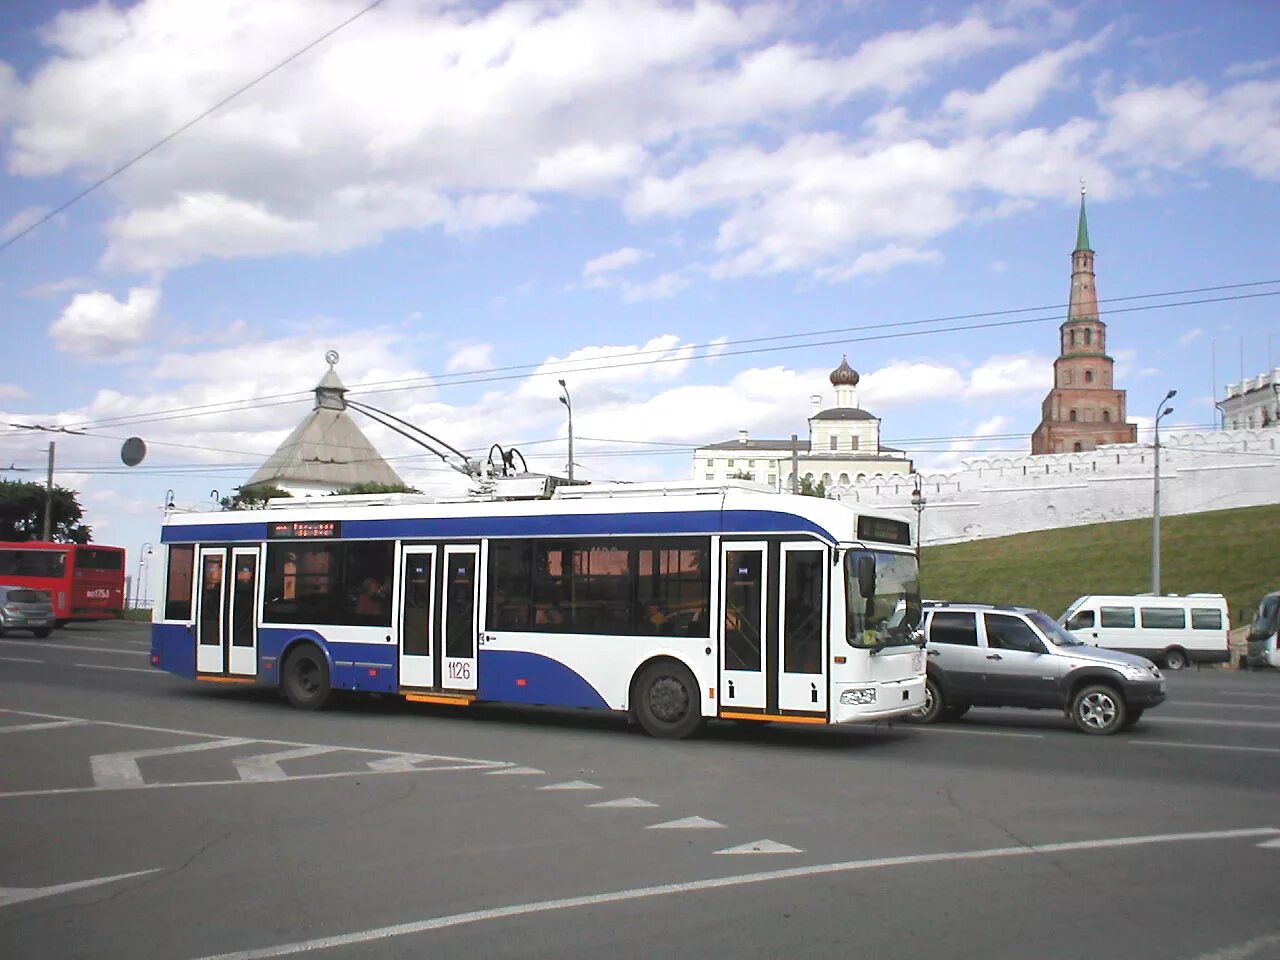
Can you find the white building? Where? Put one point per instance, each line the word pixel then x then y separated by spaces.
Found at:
pixel 1252 404
pixel 843 447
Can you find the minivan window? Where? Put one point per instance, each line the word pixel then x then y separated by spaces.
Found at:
pixel 955 627
pixel 1163 618
pixel 1206 618
pixel 1082 620
pixel 1117 617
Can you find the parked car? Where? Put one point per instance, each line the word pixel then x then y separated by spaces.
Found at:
pixel 22 608
pixel 1170 629
pixel 981 655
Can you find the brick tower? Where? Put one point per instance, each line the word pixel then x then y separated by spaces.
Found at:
pixel 1083 410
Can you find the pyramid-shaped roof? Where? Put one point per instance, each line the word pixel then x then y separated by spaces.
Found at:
pixel 327 448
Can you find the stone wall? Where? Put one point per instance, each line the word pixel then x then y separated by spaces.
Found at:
pixel 995 497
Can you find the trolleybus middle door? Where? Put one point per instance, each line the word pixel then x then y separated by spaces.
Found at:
pixel 417 617
pixel 743 652
pixel 461 617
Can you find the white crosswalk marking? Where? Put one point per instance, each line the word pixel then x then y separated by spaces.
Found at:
pixel 572 785
pixel 760 846
pixel 516 772
pixel 119 771
pixel 626 803
pixel 406 762
pixel 50 725
pixel 688 823
pixel 266 766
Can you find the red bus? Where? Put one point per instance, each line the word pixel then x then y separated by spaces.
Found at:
pixel 85 581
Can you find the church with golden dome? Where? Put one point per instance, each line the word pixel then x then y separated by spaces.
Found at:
pixel 842 448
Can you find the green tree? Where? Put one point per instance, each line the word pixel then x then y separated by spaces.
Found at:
pixel 809 489
pixel 22 513
pixel 253 497
pixel 358 488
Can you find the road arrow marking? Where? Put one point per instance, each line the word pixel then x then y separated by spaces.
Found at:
pixel 408 762
pixel 266 766
pixel 626 803
pixel 119 771
pixel 571 785
pixel 12 895
pixel 761 846
pixel 688 823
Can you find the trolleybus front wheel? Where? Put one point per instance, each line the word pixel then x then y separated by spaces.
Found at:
pixel 305 677
pixel 666 701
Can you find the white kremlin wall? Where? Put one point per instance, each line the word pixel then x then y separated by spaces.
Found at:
pixel 995 497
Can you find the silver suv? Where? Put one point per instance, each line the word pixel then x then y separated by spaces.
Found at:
pixel 995 656
pixel 22 608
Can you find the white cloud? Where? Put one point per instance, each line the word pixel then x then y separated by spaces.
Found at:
pixel 1191 336
pixel 662 287
pixel 1252 68
pixel 614 261
pixel 1004 375
pixel 20 221
pixel 1019 90
pixel 97 324
pixel 1172 126
pixel 11 391
pixel 901 383
pixel 474 356
pixel 880 261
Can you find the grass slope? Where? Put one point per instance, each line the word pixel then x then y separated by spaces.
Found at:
pixel 1232 552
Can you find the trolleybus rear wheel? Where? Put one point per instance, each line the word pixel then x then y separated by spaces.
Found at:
pixel 305 678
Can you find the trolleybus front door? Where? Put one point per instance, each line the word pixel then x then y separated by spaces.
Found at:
pixel 743 653
pixel 461 620
pixel 802 614
pixel 241 627
pixel 211 604
pixel 417 617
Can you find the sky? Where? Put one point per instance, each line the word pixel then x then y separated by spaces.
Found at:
pixel 689 211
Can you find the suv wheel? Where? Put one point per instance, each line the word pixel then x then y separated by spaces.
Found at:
pixel 1098 709
pixel 935 705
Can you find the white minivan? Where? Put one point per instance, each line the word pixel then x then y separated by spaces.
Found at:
pixel 1170 629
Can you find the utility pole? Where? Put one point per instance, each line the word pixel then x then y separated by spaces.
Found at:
pixel 48 498
pixel 795 464
pixel 1155 496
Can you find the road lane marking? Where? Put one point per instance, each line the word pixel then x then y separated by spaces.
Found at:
pixel 1242 951
pixel 409 762
pixel 266 766
pixel 11 895
pixel 150 671
pixel 625 803
pixel 1204 746
pixel 47 725
pixel 1206 722
pixel 1221 706
pixel 1270 844
pixel 759 846
pixel 571 785
pixel 119 771
pixel 22 659
pixel 981 733
pixel 687 823
pixel 720 883
pixel 516 772
pixel 44 645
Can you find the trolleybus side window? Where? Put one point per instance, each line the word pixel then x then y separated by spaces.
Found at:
pixel 177 601
pixel 742 634
pixel 613 588
pixel 329 583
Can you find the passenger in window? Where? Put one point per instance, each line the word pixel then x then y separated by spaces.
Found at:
pixel 372 601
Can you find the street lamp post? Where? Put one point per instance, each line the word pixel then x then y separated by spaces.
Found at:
pixel 918 501
pixel 142 563
pixel 1155 494
pixel 569 406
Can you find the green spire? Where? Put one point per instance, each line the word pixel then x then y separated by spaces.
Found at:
pixel 1082 232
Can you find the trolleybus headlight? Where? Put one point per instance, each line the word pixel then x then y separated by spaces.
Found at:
pixel 859 698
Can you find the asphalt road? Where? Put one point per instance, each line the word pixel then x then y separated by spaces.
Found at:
pixel 145 816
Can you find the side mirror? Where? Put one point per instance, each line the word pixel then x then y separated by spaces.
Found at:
pixel 866 571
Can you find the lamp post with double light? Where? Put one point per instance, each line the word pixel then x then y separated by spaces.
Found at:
pixel 568 403
pixel 1155 494
pixel 138 592
pixel 918 501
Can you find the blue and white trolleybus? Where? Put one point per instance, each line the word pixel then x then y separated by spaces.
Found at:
pixel 672 603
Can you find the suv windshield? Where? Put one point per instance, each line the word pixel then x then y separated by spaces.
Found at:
pixel 1050 628
pixel 890 611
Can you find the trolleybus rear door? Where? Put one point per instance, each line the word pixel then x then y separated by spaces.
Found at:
pixel 417 617
pixel 802 683
pixel 211 602
pixel 242 614
pixel 743 653
pixel 461 617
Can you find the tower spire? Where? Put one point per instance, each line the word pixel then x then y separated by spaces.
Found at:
pixel 1082 231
